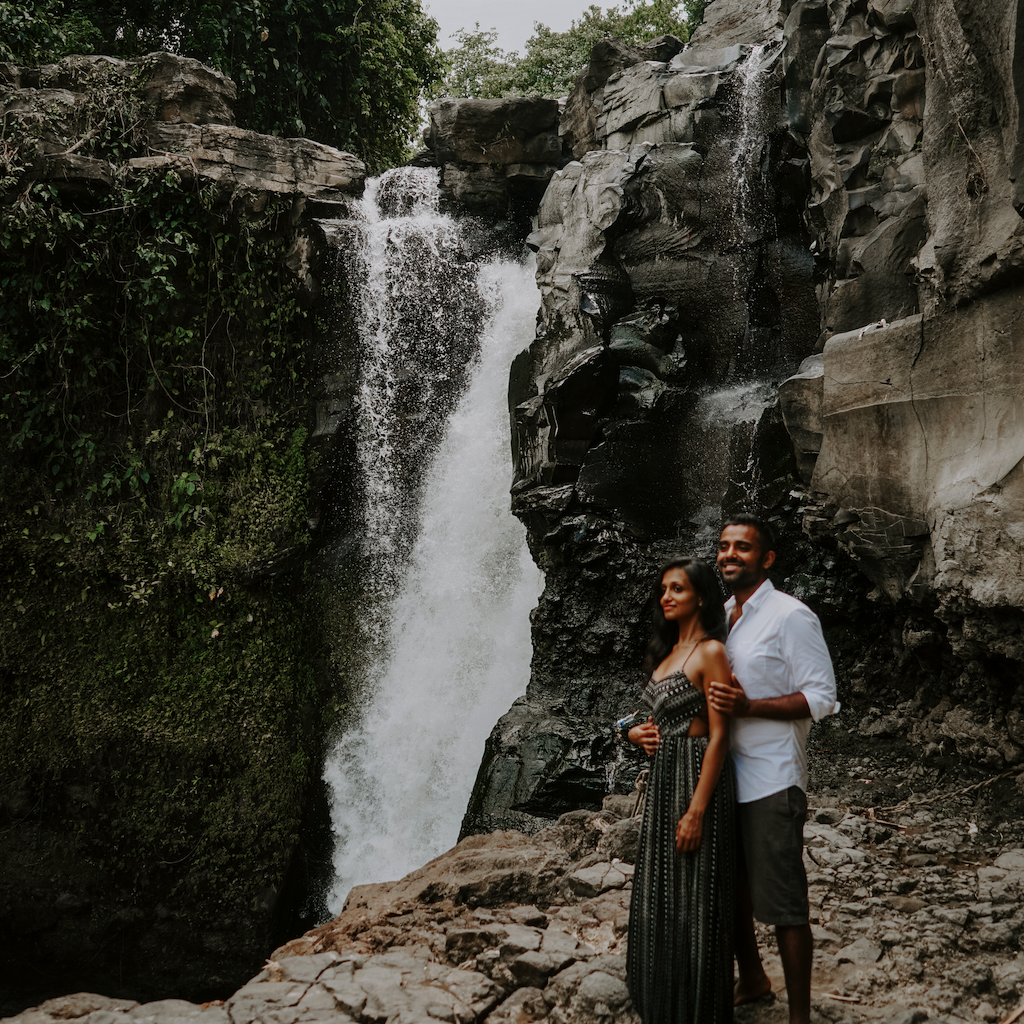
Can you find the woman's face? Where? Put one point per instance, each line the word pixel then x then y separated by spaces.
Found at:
pixel 679 601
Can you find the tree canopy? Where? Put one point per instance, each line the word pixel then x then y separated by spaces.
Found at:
pixel 345 72
pixel 553 60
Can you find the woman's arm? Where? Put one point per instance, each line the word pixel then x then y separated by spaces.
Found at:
pixel 714 665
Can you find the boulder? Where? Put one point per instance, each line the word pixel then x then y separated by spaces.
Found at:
pixel 183 90
pixel 494 152
pixel 483 870
pixel 238 159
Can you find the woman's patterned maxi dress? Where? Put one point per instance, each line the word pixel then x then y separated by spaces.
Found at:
pixel 679 962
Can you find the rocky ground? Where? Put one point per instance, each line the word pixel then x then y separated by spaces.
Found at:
pixel 917 910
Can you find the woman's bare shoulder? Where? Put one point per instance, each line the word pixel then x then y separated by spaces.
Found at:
pixel 713 657
pixel 714 649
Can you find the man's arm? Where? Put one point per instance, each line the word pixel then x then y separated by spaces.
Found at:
pixel 732 701
pixel 810 667
pixel 803 647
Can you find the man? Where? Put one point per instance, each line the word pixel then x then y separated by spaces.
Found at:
pixel 783 679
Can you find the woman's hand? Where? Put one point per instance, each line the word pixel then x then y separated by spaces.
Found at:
pixel 688 831
pixel 647 737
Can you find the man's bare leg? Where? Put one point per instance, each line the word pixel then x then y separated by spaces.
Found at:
pixel 752 982
pixel 796 950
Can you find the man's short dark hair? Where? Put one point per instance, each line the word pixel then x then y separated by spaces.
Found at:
pixel 765 533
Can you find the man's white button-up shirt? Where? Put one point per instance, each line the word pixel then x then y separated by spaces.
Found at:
pixel 776 648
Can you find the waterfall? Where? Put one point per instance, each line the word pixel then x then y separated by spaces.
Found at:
pixel 728 413
pixel 452 647
pixel 418 308
pixel 755 117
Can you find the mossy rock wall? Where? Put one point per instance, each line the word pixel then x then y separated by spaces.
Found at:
pixel 164 706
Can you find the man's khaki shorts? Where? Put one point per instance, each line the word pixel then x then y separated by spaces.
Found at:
pixel 772 844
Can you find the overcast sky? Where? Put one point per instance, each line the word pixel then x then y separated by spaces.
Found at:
pixel 512 18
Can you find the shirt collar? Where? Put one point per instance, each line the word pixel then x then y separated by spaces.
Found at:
pixel 756 599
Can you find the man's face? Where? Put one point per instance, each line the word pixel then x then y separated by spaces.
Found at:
pixel 740 559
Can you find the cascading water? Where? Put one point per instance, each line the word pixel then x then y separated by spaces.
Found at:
pixel 727 416
pixel 754 120
pixel 451 645
pixel 419 312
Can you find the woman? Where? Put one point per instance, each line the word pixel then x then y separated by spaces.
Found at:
pixel 679 964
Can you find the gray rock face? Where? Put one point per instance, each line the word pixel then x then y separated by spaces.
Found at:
pixel 919 462
pixel 235 158
pixel 188 129
pixel 808 216
pixel 916 452
pixel 504 867
pixel 673 294
pixel 179 89
pixel 494 152
pixel 185 91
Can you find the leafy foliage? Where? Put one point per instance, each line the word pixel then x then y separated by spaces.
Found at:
pixel 348 73
pixel 116 311
pixel 694 12
pixel 553 60
pixel 34 33
pixel 477 67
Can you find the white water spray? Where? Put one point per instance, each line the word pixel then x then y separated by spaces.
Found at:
pixel 400 261
pixel 755 117
pixel 455 630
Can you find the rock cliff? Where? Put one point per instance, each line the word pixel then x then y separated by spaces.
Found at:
pixel 782 270
pixel 165 711
pixel 494 154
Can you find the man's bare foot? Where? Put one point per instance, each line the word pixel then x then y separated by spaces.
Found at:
pixel 749 992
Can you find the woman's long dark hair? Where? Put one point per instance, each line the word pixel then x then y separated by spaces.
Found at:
pixel 711 613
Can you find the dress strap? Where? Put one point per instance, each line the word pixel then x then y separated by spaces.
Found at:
pixel 682 668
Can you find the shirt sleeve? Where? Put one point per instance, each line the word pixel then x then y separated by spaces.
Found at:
pixel 803 647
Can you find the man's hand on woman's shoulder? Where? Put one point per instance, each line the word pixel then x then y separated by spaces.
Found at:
pixel 729 698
